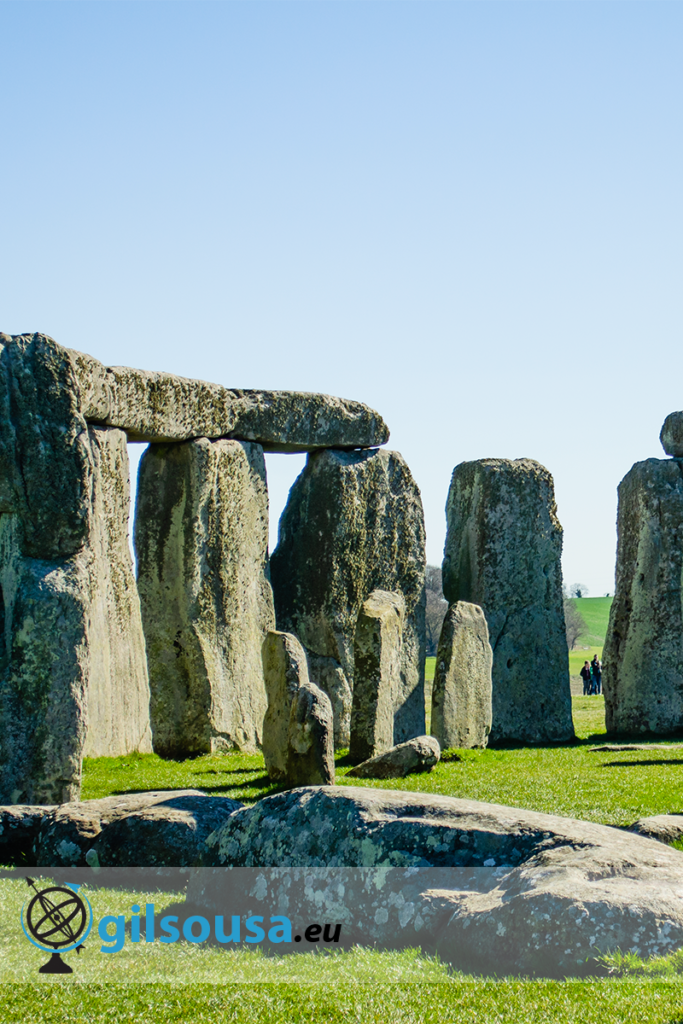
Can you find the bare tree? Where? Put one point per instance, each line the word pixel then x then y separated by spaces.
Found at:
pixel 574 623
pixel 578 590
pixel 437 606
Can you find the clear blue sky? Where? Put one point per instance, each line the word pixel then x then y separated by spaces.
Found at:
pixel 465 214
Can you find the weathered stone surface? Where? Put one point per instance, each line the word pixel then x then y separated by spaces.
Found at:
pixel 671 435
pixel 162 407
pixel 330 677
pixel 136 829
pixel 310 738
pixel 73 677
pixel 666 828
pixel 201 539
pixel 503 549
pixel 46 466
pixel 642 674
pixel 416 755
pixel 461 695
pixel 377 674
pixel 354 524
pixel 543 894
pixel 285 670
pixel 118 688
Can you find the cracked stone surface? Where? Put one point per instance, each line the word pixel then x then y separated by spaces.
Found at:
pixel 462 691
pixel 503 550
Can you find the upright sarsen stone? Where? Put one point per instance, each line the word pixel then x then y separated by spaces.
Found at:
pixel 462 692
pixel 73 675
pixel 643 654
pixel 354 524
pixel 502 552
pixel 377 674
pixel 201 540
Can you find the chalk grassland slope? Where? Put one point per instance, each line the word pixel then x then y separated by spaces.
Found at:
pixel 595 613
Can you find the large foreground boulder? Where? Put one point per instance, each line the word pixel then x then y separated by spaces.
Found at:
pixel 201 540
pixel 503 550
pixel 354 524
pixel 643 655
pixel 497 889
pixel 136 829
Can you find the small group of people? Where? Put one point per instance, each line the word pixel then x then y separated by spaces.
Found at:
pixel 591 673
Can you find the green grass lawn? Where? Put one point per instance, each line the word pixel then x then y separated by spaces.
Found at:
pixel 612 788
pixel 212 985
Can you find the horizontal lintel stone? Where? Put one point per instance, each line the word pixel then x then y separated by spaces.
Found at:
pixel 161 407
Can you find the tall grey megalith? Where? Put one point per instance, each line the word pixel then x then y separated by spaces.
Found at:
pixel 643 653
pixel 201 541
pixel 502 552
pixel 353 524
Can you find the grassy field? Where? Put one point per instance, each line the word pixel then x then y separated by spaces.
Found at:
pixel 407 987
pixel 608 787
pixel 595 613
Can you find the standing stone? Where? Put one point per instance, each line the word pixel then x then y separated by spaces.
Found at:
pixel 643 653
pixel 330 677
pixel 503 549
pixel 461 696
pixel 354 524
pixel 285 671
pixel 201 540
pixel 73 676
pixel 377 674
pixel 310 739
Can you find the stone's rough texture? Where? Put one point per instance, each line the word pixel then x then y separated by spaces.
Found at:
pixel 377 674
pixel 160 407
pixel 503 549
pixel 330 677
pixel 671 435
pixel 310 738
pixel 201 539
pixel 285 670
pixel 137 829
pixel 461 695
pixel 417 755
pixel 45 459
pixel 118 686
pixel 73 676
pixel 666 828
pixel 643 655
pixel 558 889
pixel 354 524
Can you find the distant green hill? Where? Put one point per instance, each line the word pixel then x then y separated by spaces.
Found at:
pixel 595 613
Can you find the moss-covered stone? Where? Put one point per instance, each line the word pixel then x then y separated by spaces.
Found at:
pixel 503 550
pixel 354 524
pixel 643 653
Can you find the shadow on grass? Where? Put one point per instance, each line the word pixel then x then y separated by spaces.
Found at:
pixel 642 764
pixel 263 783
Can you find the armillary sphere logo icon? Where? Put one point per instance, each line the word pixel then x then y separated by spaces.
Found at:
pixel 57 920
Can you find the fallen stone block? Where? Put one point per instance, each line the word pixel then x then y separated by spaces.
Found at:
pixel 416 755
